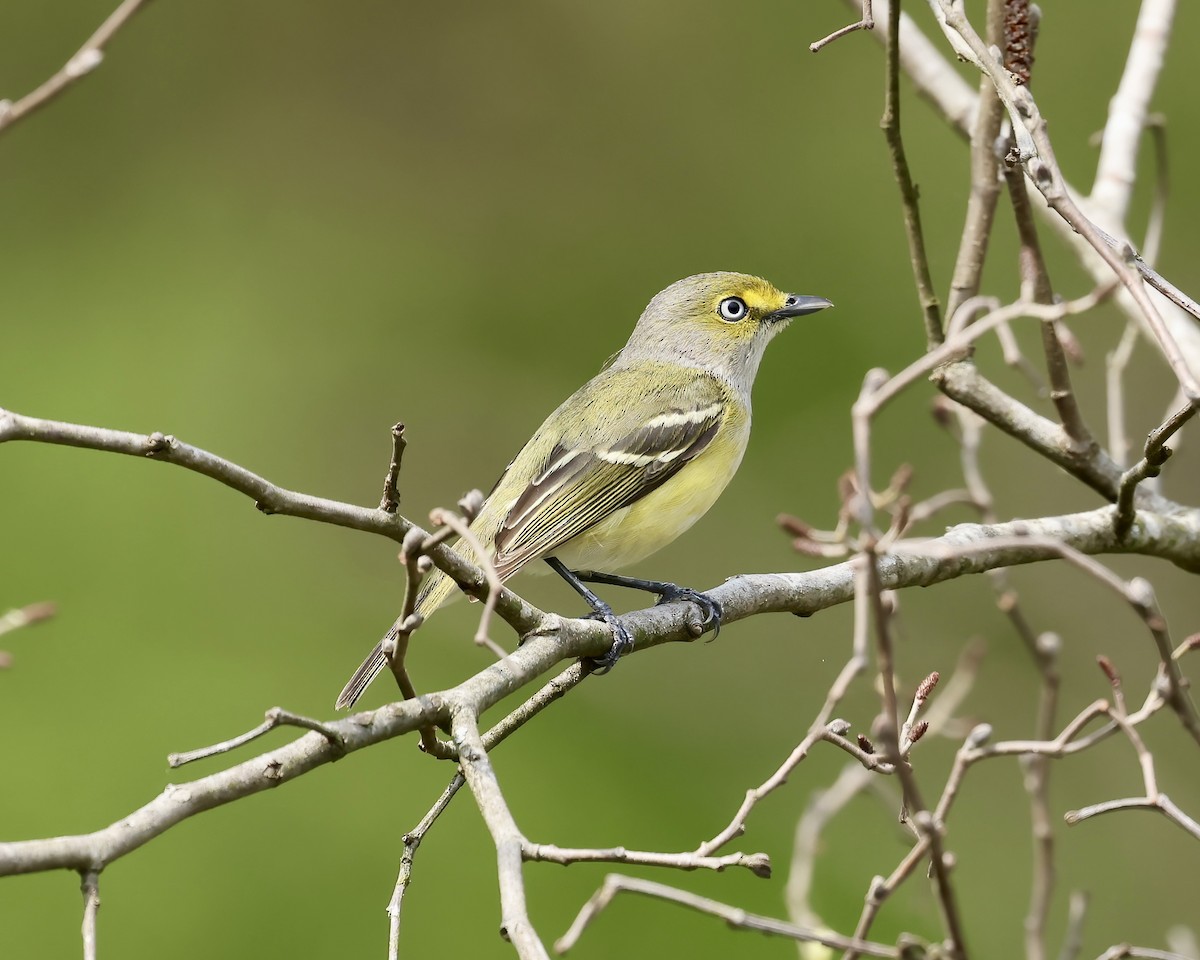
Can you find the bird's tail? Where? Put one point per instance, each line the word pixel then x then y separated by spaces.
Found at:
pixel 435 591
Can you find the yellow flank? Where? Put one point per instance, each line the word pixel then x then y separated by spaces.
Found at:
pixel 646 526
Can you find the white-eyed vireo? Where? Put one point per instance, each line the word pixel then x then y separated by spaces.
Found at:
pixel 636 455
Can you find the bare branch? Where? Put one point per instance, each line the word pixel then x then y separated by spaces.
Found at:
pixel 930 309
pixel 390 502
pixel 412 840
pixel 929 828
pixel 1123 950
pixel 1076 914
pixel 26 616
pixel 985 187
pixel 1128 110
pixel 1156 454
pixel 1036 152
pixel 757 863
pixel 269 498
pixel 276 717
pixel 1116 364
pixel 85 60
pixel 734 917
pixel 866 22
pixel 90 887
pixel 440 517
pixel 515 925
pixel 553 691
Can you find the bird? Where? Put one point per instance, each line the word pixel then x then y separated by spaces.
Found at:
pixel 634 457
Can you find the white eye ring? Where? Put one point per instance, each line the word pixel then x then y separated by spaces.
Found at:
pixel 732 309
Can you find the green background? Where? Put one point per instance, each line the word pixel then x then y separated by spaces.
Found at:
pixel 273 229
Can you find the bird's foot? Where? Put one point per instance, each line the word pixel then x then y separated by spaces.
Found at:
pixel 622 641
pixel 710 609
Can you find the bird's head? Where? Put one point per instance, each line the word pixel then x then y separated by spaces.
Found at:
pixel 719 321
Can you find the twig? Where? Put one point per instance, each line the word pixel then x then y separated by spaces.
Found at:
pixel 1036 152
pixel 26 616
pixel 860 418
pixel 938 83
pixel 1045 648
pixel 1076 914
pixel 411 841
pixel 85 60
pixel 822 807
pixel 1123 950
pixel 964 383
pixel 890 123
pixel 1175 536
pixel 551 692
pixel 1128 110
pixel 959 338
pixel 515 925
pixel 1139 594
pixel 1182 939
pixel 881 888
pixel 440 517
pixel 951 698
pixel 90 887
pixel 1037 279
pixel 985 186
pixel 1152 276
pixel 391 493
pixel 734 917
pixel 867 22
pixel 275 717
pixel 976 748
pixel 853 778
pixel 932 506
pixel 1115 366
pixel 394 646
pixel 1156 124
pixel 1154 456
pixel 928 827
pixel 818 730
pixel 758 864
pixel 1154 799
pixel 935 79
pixel 1176 402
pixel 908 732
pixel 269 498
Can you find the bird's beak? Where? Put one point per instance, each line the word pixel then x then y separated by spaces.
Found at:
pixel 798 305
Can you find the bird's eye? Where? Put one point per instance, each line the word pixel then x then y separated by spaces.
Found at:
pixel 732 309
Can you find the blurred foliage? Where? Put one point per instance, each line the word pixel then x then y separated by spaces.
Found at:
pixel 273 229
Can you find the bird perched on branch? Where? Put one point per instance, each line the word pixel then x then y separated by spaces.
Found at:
pixel 635 456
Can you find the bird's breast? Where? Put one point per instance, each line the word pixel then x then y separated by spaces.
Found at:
pixel 634 532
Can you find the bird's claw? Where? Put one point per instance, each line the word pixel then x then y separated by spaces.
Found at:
pixel 622 642
pixel 710 609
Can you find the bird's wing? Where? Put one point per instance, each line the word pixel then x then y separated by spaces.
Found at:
pixel 581 482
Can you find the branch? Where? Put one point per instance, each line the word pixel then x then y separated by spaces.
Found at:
pixel 86 59
pixel 1175 537
pixel 918 258
pixel 735 917
pixel 515 925
pixel 26 616
pixel 1116 170
pixel 866 22
pixel 937 82
pixel 1036 153
pixel 268 497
